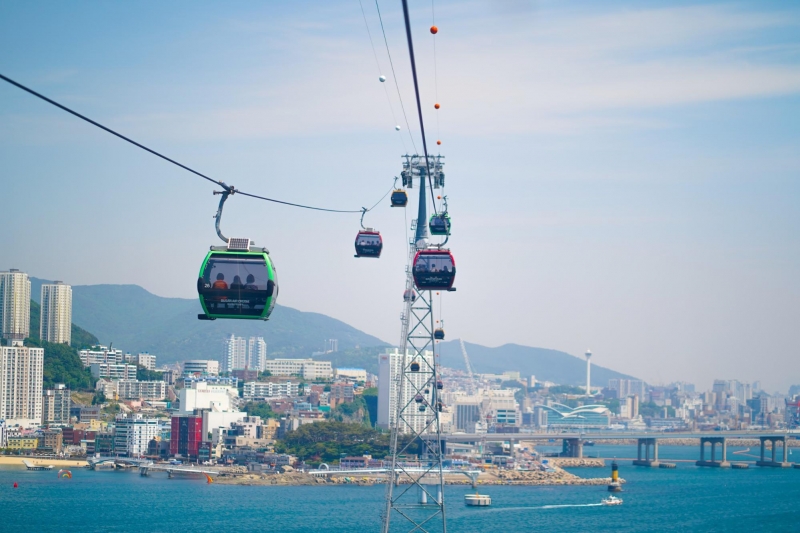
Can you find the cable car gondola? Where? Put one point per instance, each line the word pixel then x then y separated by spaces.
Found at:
pixel 434 269
pixel 399 198
pixel 438 334
pixel 369 243
pixel 237 281
pixel 439 224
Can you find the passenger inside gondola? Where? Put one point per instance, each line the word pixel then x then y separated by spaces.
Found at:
pixel 220 283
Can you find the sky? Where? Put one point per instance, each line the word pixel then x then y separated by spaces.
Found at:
pixel 622 176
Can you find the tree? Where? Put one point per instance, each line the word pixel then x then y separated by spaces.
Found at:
pixel 62 364
pixel 99 398
pixel 143 374
pixel 262 409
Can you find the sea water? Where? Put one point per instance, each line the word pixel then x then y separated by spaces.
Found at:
pixel 688 498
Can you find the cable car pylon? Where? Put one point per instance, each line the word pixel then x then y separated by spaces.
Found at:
pixel 416 495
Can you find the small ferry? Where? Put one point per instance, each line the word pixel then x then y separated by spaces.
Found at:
pixel 612 500
pixel 477 500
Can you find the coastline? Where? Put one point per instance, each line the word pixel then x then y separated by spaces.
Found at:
pixel 17 460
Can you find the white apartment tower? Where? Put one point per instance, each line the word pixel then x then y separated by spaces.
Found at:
pixel 390 365
pixel 21 384
pixel 235 353
pixel 257 354
pixel 56 316
pixel 15 305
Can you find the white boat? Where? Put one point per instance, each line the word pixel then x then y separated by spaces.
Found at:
pixel 612 500
pixel 478 500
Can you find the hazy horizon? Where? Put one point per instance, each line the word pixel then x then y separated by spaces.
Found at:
pixel 621 177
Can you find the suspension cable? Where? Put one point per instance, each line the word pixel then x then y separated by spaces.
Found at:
pixel 380 72
pixel 229 189
pixel 419 103
pixel 394 77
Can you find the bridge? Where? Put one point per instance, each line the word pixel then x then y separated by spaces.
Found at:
pixel 647 443
pixel 171 470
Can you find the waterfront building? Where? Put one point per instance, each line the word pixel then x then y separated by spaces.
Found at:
pixel 390 367
pixel 21 370
pixel 186 435
pixel 235 353
pixel 100 354
pixel 257 390
pixel 203 395
pixel 22 442
pixel 15 305
pixel 308 369
pixel 51 440
pixel 3 434
pixel 201 366
pixel 132 434
pixel 113 371
pixel 55 322
pixel 55 406
pixel 257 354
pixel 358 375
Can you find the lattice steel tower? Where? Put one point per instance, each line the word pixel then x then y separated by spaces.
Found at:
pixel 415 492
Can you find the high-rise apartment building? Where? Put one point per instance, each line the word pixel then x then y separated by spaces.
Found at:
pixel 390 366
pixel 235 353
pixel 55 406
pixel 21 384
pixel 56 313
pixel 15 305
pixel 257 354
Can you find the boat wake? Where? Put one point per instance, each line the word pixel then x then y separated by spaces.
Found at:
pixel 561 506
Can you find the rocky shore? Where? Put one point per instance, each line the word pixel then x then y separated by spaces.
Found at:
pixel 503 477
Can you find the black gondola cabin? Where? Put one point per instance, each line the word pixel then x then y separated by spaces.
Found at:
pixel 369 243
pixel 434 270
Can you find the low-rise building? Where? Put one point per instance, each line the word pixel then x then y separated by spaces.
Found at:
pixel 51 440
pixel 113 371
pixel 306 368
pixel 20 442
pixel 258 390
pixel 358 375
pixel 100 354
pixel 201 366
pixel 141 390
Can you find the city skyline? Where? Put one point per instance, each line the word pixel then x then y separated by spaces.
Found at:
pixel 645 155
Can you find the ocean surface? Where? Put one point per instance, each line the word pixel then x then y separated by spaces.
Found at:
pixel 687 498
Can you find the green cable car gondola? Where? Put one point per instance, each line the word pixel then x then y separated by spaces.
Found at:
pixel 237 280
pixel 439 224
pixel 237 284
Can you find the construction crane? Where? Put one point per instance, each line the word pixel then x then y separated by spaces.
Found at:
pixel 466 360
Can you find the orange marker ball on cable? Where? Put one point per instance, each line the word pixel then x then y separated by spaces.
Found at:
pixel 436 106
pixel 438 142
pixel 434 30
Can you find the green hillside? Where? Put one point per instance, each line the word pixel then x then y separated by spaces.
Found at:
pixel 136 320
pixel 80 337
pixel 546 365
